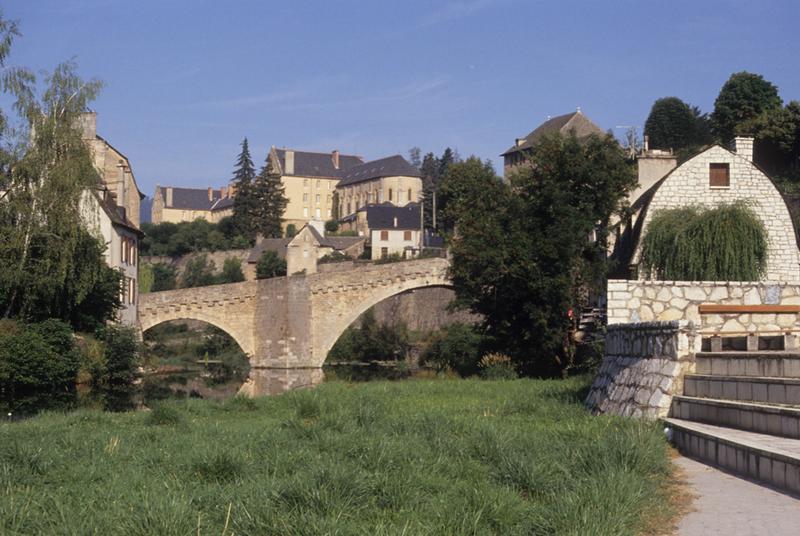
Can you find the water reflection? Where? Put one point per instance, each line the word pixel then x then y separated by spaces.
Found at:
pixel 273 381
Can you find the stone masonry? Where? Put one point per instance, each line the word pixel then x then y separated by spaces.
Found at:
pixel 291 322
pixel 643 368
pixel 689 185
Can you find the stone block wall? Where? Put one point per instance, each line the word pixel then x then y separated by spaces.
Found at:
pixel 646 301
pixel 643 368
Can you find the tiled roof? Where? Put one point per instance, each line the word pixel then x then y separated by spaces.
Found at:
pixel 391 166
pixel 308 164
pixel 383 216
pixel 191 198
pixel 278 245
pixel 116 213
pixel 582 125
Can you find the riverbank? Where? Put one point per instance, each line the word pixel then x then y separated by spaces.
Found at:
pixel 419 456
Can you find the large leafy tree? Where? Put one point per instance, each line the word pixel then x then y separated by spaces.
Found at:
pixel 244 204
pixel 741 101
pixel 50 265
pixel 673 124
pixel 522 257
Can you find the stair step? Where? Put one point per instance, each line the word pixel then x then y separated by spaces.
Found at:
pixel 763 364
pixel 765 458
pixel 751 416
pixel 744 388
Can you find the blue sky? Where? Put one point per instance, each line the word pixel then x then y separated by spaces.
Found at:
pixel 186 80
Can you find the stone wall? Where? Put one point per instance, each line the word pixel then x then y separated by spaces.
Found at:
pixel 646 301
pixel 423 309
pixel 689 185
pixel 643 368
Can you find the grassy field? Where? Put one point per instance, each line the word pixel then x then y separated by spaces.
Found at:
pixel 411 457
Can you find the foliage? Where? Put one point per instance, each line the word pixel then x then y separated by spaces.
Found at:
pixel 456 347
pixel 371 341
pixel 331 226
pixel 176 239
pixel 432 169
pixel 270 265
pixel 199 272
pixel 496 366
pixel 521 257
pixel 390 258
pixel 164 277
pixel 146 278
pixel 245 204
pixel 333 256
pixel 270 203
pixel 291 230
pixel 419 457
pixel 460 179
pixel 726 243
pixel 673 124
pixel 742 99
pixel 231 271
pixel 36 357
pixel 50 265
pixel 122 355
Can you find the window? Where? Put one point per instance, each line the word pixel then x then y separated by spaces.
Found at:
pixel 317 199
pixel 131 291
pixel 318 213
pixel 384 235
pixel 305 198
pixel 305 182
pixel 390 194
pixel 409 195
pixel 407 235
pixel 305 212
pixel 384 253
pixel 329 213
pixel 719 175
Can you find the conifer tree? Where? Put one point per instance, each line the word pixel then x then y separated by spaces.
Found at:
pixel 269 202
pixel 244 204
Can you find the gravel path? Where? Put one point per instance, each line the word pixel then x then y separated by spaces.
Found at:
pixel 733 506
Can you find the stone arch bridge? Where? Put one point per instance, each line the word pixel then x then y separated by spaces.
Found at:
pixel 293 321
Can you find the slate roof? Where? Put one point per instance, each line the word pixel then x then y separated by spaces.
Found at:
pixel 335 242
pixel 582 125
pixel 382 216
pixel 116 213
pixel 278 245
pixel 391 166
pixel 308 164
pixel 195 199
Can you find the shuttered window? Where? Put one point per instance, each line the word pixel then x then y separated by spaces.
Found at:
pixel 384 235
pixel 719 175
pixel 406 235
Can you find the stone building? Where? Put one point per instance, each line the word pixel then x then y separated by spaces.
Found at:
pixel 519 153
pixel 389 229
pixel 175 205
pixel 389 180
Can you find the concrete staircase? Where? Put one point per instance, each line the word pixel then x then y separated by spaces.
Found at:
pixel 740 411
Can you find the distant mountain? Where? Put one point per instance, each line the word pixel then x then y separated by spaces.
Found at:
pixel 144 209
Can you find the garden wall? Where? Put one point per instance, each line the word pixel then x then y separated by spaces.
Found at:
pixel 643 368
pixel 647 301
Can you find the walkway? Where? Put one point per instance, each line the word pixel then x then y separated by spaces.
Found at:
pixel 732 506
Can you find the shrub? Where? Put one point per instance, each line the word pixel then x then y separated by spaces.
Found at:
pixel 270 265
pixel 334 256
pixel 458 347
pixel 163 414
pixel 199 272
pixel 164 277
pixel 394 257
pixel 371 341
pixel 331 226
pixel 121 355
pixel 291 230
pixel 496 366
pixel 231 271
pixel 726 243
pixel 37 357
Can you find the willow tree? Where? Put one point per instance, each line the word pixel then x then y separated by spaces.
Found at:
pixel 50 264
pixel 724 243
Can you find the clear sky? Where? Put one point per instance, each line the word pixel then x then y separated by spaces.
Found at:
pixel 186 80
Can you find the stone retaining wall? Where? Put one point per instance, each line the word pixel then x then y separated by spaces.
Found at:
pixel 647 301
pixel 643 368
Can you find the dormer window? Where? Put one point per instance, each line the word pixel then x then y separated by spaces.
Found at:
pixel 719 175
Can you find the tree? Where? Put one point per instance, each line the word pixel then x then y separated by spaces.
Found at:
pixel 430 181
pixel 245 205
pixel 459 181
pixel 199 272
pixel 270 265
pixel 270 202
pixel 231 271
pixel 415 157
pixel 50 266
pixel 777 146
pixel 164 277
pixel 743 98
pixel 521 257
pixel 672 124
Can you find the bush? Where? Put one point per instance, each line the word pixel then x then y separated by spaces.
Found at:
pixel 457 347
pixel 37 357
pixel 334 256
pixel 270 265
pixel 231 271
pixel 174 239
pixel 199 272
pixel 371 341
pixel 122 355
pixel 331 226
pixel 164 277
pixel 291 230
pixel 394 257
pixel 495 366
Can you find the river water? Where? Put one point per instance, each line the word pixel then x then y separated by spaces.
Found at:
pixel 205 383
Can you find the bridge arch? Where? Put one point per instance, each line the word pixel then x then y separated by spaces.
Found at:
pixel 334 312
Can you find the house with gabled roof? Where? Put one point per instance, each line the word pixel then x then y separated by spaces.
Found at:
pixel 389 180
pixel 173 204
pixel 576 122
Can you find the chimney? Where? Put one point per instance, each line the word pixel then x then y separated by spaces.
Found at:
pixel 395 221
pixel 231 190
pixel 743 146
pixel 223 192
pixel 288 158
pixel 120 183
pixel 646 143
pixel 211 194
pixel 169 196
pixel 335 158
pixel 519 141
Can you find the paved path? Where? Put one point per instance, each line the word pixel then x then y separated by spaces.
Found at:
pixel 732 506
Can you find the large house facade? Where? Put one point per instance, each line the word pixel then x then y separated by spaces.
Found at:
pixel 389 180
pixel 175 205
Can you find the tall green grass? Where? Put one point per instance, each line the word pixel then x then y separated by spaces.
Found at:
pixel 415 457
